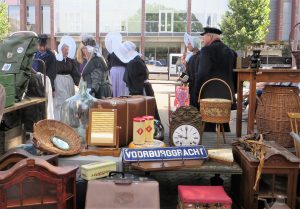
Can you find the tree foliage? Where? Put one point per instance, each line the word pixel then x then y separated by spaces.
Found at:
pixel 245 22
pixel 4 26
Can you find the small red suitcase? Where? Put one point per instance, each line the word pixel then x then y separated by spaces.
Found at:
pixel 192 197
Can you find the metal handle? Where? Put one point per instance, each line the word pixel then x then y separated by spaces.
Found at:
pixel 215 79
pixel 115 173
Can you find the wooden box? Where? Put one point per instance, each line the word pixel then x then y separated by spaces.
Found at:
pixel 97 170
pixel 11 138
pixel 279 176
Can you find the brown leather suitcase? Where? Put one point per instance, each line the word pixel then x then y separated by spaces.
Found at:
pixel 124 192
pixel 127 109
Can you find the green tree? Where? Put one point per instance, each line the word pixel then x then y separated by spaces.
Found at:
pixel 4 26
pixel 246 22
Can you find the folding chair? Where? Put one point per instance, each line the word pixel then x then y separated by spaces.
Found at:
pixel 295 121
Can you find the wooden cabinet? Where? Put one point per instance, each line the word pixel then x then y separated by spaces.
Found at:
pixel 279 176
pixel 35 184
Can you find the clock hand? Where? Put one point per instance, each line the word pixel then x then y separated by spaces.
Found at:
pixel 186 130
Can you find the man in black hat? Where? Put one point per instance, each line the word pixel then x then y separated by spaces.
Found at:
pixel 48 57
pixel 216 61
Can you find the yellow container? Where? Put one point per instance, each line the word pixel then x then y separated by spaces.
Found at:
pixel 97 170
pixel 149 128
pixel 138 130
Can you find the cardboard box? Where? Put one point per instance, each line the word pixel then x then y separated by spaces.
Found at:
pixel 97 170
pixel 11 138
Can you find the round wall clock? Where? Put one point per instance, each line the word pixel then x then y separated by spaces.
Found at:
pixel 185 127
pixel 186 135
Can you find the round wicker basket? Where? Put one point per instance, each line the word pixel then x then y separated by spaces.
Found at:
pixel 45 129
pixel 215 110
pixel 296 53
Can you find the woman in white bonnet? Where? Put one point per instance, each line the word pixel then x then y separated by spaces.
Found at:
pixel 136 74
pixel 116 65
pixel 67 76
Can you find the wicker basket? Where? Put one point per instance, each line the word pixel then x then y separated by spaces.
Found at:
pixel 215 110
pixel 45 129
pixel 296 53
pixel 271 114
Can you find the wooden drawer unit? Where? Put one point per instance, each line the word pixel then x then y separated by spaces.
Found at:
pixel 279 176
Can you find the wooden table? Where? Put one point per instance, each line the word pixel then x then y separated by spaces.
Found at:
pixel 262 75
pixel 25 103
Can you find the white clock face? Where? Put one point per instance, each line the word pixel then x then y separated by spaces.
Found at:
pixel 186 135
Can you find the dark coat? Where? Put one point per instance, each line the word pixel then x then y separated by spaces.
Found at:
pixel 216 61
pixel 135 76
pixel 191 70
pixel 95 74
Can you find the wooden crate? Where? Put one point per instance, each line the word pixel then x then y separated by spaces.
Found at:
pixel 11 138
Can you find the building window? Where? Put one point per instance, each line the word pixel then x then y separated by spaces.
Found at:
pixel 286 22
pixel 157 52
pixel 75 16
pixel 30 18
pixel 166 16
pixel 152 20
pixel 14 17
pixel 204 14
pixel 46 19
pixel 126 17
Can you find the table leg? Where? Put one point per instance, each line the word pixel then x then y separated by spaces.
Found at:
pixel 252 104
pixel 239 108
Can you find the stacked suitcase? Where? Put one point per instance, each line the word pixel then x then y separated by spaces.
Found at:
pixel 8 81
pixel 127 109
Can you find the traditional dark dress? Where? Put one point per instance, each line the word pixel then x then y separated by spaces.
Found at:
pixel 191 70
pixel 49 58
pixel 67 76
pixel 117 70
pixel 216 61
pixel 136 79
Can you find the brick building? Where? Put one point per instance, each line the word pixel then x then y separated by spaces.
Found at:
pixel 156 26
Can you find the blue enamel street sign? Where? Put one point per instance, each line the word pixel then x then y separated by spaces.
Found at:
pixel 166 153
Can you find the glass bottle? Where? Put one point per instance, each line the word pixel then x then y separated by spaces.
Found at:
pixel 75 110
pixel 280 203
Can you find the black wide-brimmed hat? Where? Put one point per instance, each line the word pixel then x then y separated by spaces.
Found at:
pixel 42 39
pixel 211 30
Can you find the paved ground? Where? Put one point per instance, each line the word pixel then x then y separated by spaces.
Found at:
pixel 169 182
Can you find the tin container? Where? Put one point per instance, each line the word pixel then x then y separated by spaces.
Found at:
pixel 149 128
pixel 138 130
pixel 97 170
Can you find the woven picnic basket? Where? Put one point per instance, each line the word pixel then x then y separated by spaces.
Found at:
pixel 296 53
pixel 44 130
pixel 215 110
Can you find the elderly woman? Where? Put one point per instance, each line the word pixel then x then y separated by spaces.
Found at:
pixel 67 76
pixel 95 73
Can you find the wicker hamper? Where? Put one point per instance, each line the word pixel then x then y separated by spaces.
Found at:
pixel 215 110
pixel 271 114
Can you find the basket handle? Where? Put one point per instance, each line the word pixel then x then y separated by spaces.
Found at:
pixel 215 79
pixel 290 36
